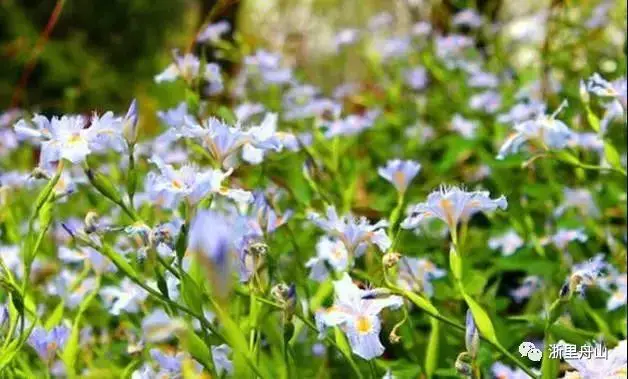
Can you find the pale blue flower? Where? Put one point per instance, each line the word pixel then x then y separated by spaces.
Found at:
pixel 611 367
pixel 106 132
pixel 395 47
pixel 399 173
pixel 220 356
pixel 416 78
pixel 507 243
pixel 468 17
pixel 564 236
pixel 599 16
pixel 580 199
pixel 356 313
pixel 351 125
pixel 213 32
pixel 421 29
pixel 172 185
pixel 188 67
pixel 587 273
pixel 346 37
pixel 175 117
pixel 521 112
pixel 466 128
pixel 452 205
pixel 544 130
pixel 617 284
pixel 355 233
pixel 380 21
pixel 245 111
pixel 501 371
pixel 48 343
pixel 127 297
pixel 528 287
pixel 159 326
pixel 60 138
pixel 330 253
pixel 416 275
pixel 488 101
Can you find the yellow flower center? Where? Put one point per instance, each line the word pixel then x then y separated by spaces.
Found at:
pixel 75 138
pixel 363 324
pixel 399 178
pixel 176 183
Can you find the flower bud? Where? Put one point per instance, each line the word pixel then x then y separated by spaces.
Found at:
pixel 91 222
pixel 584 93
pixel 391 259
pixel 472 336
pixel 463 365
pixel 130 123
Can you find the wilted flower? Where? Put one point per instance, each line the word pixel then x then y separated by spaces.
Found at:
pixel 416 274
pixel 399 173
pixel 357 315
pixel 355 233
pixel 508 243
pixel 544 130
pixel 330 254
pixel 48 343
pixel 452 205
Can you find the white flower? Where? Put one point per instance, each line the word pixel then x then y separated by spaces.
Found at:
pixel 357 315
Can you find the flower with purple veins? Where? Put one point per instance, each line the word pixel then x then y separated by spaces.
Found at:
pixel 452 205
pixel 356 313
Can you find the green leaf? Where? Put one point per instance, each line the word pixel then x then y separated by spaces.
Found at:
pixel 549 366
pixel 612 156
pixel 119 261
pixel 104 186
pixel 197 348
pixel 55 316
pixel 192 293
pixel 72 347
pixel 455 263
pixel 593 120
pixel 431 357
pixel 567 157
pixel 481 318
pixel 420 302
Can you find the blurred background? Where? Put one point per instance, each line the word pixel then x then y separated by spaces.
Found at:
pixel 78 56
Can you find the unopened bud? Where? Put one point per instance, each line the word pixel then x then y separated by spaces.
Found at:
pixel 91 222
pixel 391 259
pixel 472 336
pixel 463 365
pixel 584 92
pixel 39 173
pixel 130 123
